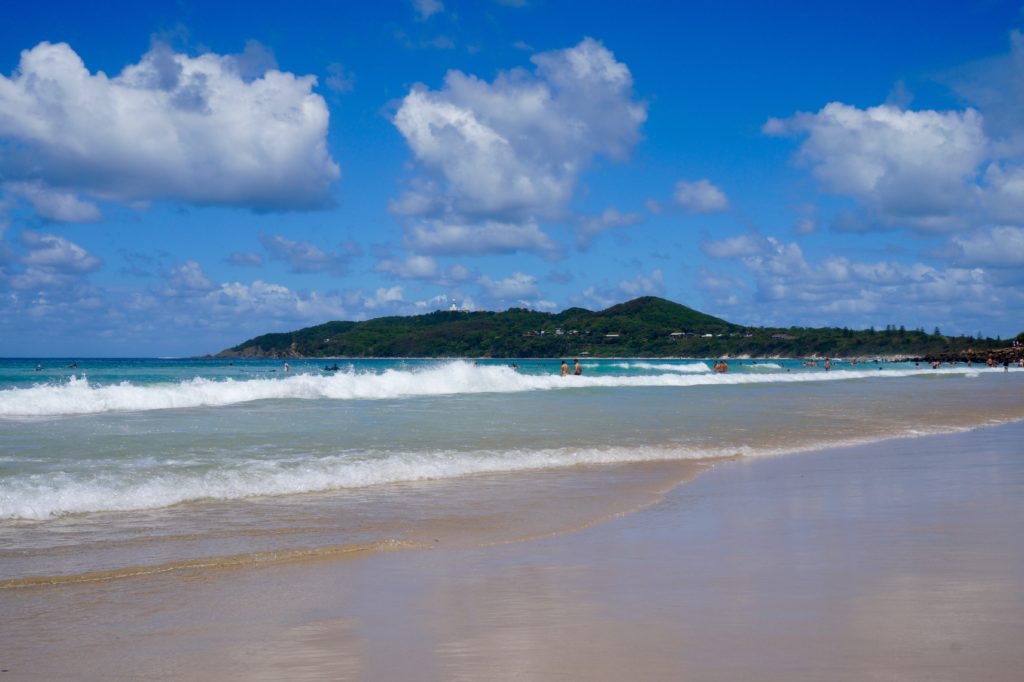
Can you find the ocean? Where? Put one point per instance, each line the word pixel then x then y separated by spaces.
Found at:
pixel 117 467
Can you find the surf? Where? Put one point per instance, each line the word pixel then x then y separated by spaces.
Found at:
pixel 79 396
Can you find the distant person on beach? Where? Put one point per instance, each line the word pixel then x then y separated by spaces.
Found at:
pixel 577 368
pixel 1006 365
pixel 565 368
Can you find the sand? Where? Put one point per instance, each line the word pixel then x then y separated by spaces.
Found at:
pixel 901 560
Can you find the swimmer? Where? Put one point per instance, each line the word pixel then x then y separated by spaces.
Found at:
pixel 577 368
pixel 565 368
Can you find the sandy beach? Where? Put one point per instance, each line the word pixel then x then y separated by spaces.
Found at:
pixel 900 560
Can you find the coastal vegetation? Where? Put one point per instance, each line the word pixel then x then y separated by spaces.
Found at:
pixel 644 327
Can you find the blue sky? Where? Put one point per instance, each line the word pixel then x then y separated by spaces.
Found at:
pixel 177 177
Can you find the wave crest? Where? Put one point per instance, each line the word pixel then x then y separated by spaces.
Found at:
pixel 78 396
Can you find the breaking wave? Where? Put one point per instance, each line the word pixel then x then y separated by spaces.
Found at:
pixel 79 396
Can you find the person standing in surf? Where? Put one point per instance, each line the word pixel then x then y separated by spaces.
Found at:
pixel 577 368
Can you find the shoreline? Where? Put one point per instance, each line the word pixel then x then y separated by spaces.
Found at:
pixel 892 560
pixel 660 477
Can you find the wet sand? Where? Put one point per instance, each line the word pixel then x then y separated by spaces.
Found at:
pixel 901 560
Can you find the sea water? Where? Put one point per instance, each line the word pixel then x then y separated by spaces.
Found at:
pixel 115 467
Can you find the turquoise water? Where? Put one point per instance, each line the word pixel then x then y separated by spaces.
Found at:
pixel 116 450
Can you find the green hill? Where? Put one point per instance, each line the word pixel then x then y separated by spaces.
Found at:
pixel 644 327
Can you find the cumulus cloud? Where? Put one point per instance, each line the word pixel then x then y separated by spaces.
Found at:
pixel 204 130
pixel 413 267
pixel 519 286
pixel 511 151
pixel 439 237
pixel 50 265
pixel 996 247
pixel 644 285
pixel 837 288
pixel 303 256
pixel 996 86
pixel 588 228
pixel 57 253
pixel 1005 192
pixel 913 166
pixel 383 297
pixel 54 204
pixel 187 279
pixel 700 197
pixel 245 259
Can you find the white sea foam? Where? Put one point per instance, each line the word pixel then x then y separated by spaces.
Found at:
pixel 134 488
pixel 688 368
pixel 78 396
pixel 156 486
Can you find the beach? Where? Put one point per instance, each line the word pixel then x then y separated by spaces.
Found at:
pixel 189 519
pixel 901 559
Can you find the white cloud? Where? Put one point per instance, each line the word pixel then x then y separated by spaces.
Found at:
pixel 588 228
pixel 442 238
pixel 191 129
pixel 187 279
pixel 518 286
pixel 413 267
pixel 232 303
pixel 53 204
pixel 245 259
pixel 384 296
pixel 913 166
pixel 838 290
pixel 735 247
pixel 303 256
pixel 644 285
pixel 996 247
pixel 458 273
pixel 996 86
pixel 57 253
pixel 339 79
pixel 700 197
pixel 50 263
pixel 511 151
pixel 1004 192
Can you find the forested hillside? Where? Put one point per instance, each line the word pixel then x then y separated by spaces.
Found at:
pixel 643 327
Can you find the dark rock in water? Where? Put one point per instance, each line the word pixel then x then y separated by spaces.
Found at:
pixel 998 355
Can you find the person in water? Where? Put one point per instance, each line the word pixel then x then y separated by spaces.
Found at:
pixel 577 368
pixel 565 368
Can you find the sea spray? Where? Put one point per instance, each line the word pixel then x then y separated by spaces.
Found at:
pixel 79 396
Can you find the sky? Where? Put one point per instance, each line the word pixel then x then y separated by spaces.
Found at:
pixel 178 177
